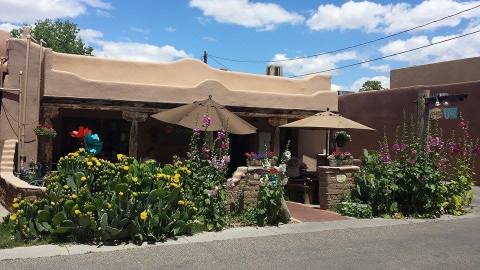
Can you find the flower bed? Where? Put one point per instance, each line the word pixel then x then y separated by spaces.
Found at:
pixel 94 200
pixel 411 178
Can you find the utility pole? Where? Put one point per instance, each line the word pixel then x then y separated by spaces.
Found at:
pixel 205 57
pixel 423 112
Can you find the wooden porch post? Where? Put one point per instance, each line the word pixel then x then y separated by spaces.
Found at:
pixel 45 145
pixel 134 118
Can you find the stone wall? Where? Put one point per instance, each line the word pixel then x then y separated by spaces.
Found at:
pixel 243 188
pixel 10 190
pixel 333 183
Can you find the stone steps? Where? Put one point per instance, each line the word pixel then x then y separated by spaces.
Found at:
pixel 7 155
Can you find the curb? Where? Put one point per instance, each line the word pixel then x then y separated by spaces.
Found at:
pixel 229 234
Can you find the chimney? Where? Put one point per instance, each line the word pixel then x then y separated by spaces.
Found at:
pixel 274 70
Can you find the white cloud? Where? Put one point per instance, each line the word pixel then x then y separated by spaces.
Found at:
pixel 380 68
pixel 98 4
pixel 464 47
pixel 210 39
pixel 261 16
pixel 351 15
pixel 8 26
pixel 388 18
pixel 313 64
pixel 336 87
pixel 130 50
pixel 358 83
pixel 140 30
pixel 90 35
pixel 170 29
pixel 139 51
pixel 28 11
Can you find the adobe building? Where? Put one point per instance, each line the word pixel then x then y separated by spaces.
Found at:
pixel 110 96
pixel 384 110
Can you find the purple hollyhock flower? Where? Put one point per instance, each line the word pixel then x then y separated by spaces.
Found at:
pixel 396 147
pixel 207 121
pixel 221 135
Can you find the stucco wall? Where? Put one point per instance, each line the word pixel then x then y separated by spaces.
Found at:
pixel 457 71
pixel 3 42
pixel 383 110
pixel 183 73
pixel 9 117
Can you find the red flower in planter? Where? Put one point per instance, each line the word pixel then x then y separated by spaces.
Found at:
pixel 273 170
pixel 81 132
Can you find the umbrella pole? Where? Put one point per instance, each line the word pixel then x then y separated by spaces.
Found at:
pixel 328 142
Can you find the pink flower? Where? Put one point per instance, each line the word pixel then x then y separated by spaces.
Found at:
pixel 207 121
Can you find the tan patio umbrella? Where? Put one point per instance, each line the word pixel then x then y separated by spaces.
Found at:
pixel 326 120
pixel 192 116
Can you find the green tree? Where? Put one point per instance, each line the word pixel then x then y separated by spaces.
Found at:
pixel 371 86
pixel 60 35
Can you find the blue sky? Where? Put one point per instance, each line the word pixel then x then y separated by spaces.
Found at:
pixel 264 30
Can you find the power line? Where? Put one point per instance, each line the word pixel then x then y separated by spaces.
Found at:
pixel 218 62
pixel 348 47
pixel 386 56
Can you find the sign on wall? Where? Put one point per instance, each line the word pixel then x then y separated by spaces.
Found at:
pixel 444 113
pixel 450 113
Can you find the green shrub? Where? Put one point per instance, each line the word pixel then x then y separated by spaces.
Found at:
pixel 94 200
pixel 208 161
pixel 270 195
pixel 417 179
pixel 353 209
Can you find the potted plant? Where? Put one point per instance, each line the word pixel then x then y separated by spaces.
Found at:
pixel 45 131
pixel 255 159
pixel 341 138
pixel 338 159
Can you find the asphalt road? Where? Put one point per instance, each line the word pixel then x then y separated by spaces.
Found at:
pixel 434 245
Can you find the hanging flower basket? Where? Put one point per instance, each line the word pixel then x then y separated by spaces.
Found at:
pixel 45 131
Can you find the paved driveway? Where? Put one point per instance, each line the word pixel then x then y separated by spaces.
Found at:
pixel 451 244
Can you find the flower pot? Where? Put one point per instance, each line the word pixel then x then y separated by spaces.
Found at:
pixel 340 162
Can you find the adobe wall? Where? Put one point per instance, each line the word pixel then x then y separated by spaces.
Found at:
pixel 16 49
pixel 456 71
pixel 383 110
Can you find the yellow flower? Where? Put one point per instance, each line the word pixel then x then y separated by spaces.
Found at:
pixel 81 150
pixel 15 200
pixel 74 196
pixel 15 205
pixel 134 194
pixel 75 154
pixel 120 193
pixel 135 179
pixel 125 168
pixel 143 215
pixel 13 217
pixel 176 178
pixel 174 185
pixel 120 157
pixel 181 202
pixel 83 178
pixel 89 163
pixel 66 187
pixel 98 163
pixel 77 212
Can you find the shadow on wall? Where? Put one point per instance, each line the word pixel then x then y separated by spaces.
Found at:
pixel 383 111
